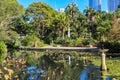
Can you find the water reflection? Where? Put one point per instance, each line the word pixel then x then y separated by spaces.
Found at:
pixel 104 76
pixel 69 60
pixel 55 65
pixel 84 74
pixel 35 73
pixel 59 69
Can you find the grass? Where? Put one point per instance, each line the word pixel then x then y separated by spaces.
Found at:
pixel 113 66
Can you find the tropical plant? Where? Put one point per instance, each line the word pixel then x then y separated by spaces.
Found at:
pixel 32 41
pixel 90 14
pixel 61 24
pixel 104 22
pixel 73 13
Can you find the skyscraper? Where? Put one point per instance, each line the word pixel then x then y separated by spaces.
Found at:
pixel 95 4
pixel 113 5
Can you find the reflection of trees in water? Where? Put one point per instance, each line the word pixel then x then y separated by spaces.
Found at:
pixel 56 64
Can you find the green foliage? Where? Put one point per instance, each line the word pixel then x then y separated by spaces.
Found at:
pixel 104 23
pixel 61 23
pixel 69 42
pixel 77 20
pixel 9 10
pixel 40 15
pixel 32 41
pixel 118 12
pixel 114 33
pixel 59 40
pixel 86 42
pixel 3 51
pixel 47 24
pixel 73 42
pixel 30 60
pixel 22 27
pixel 7 35
pixel 72 11
pixel 113 65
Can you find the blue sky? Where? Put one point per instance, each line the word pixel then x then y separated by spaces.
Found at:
pixel 56 4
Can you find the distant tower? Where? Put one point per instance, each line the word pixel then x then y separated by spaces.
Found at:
pixel 95 4
pixel 73 1
pixel 99 4
pixel 113 5
pixel 61 10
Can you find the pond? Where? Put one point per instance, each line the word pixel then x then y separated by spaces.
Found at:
pixel 51 65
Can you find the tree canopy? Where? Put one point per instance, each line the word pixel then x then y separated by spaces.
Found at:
pixel 9 10
pixel 49 25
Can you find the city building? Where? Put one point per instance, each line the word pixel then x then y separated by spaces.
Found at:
pixel 113 5
pixel 95 4
pixel 61 10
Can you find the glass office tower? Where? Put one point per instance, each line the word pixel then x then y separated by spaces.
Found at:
pixel 113 5
pixel 95 4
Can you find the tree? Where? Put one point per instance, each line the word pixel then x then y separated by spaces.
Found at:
pixel 9 10
pixel 32 41
pixel 114 33
pixel 61 24
pixel 73 13
pixel 104 21
pixel 22 27
pixel 90 14
pixel 40 15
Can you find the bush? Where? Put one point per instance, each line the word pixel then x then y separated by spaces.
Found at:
pixel 86 42
pixel 59 40
pixel 114 47
pixel 3 50
pixel 32 41
pixel 69 42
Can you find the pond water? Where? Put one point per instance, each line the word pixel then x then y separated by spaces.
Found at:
pixel 55 65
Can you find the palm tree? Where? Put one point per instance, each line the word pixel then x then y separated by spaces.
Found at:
pixel 90 14
pixel 104 21
pixel 61 23
pixel 72 12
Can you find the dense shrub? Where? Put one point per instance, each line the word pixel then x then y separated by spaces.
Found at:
pixel 69 42
pixel 114 47
pixel 3 50
pixel 32 41
pixel 59 40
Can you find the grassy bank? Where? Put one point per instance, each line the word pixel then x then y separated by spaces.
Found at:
pixel 113 66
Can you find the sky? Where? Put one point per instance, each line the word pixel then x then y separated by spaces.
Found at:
pixel 56 4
